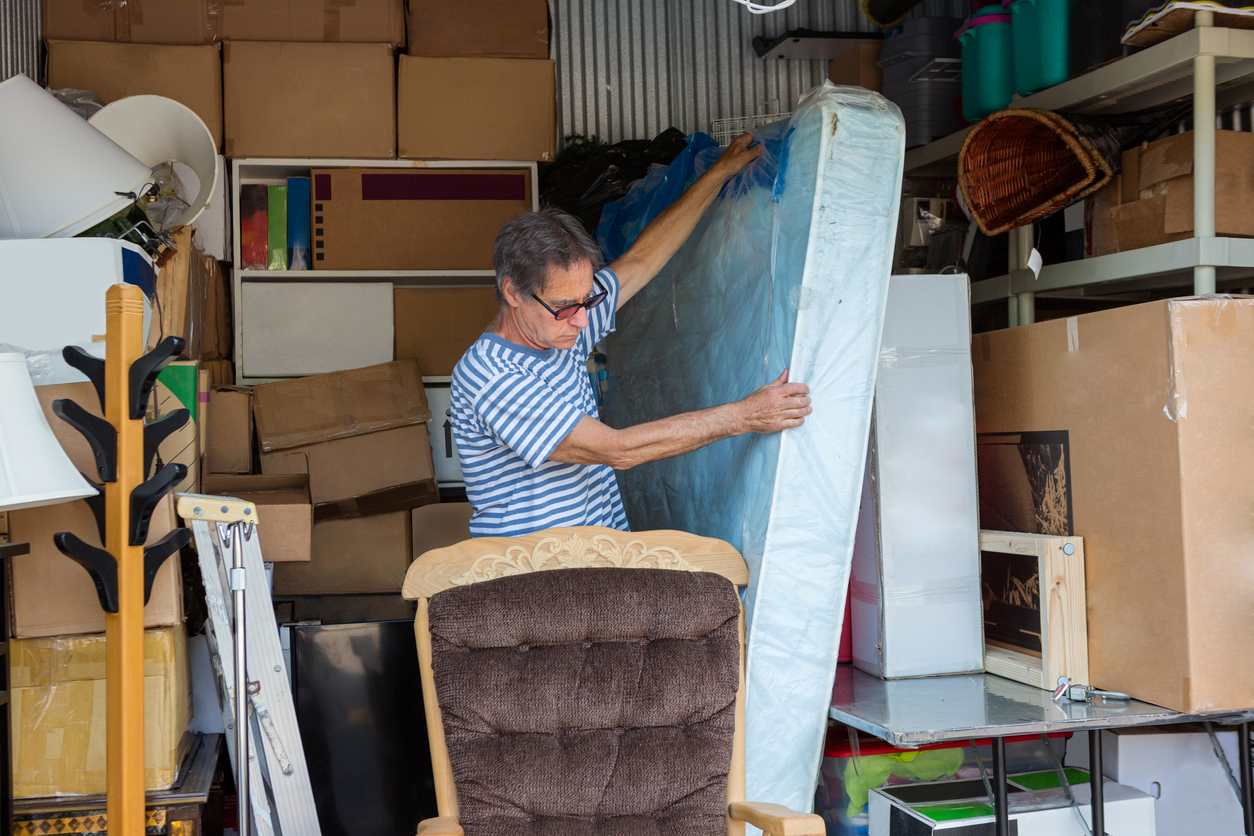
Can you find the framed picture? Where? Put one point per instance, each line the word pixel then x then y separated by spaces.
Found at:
pixel 1035 622
pixel 1025 482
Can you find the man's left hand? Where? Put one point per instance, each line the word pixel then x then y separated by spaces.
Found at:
pixel 739 154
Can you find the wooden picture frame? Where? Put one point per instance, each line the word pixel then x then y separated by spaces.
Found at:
pixel 1035 617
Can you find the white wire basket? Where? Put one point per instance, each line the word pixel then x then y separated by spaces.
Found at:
pixel 725 130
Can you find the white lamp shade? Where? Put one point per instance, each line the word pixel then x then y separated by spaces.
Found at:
pixel 59 176
pixel 34 470
pixel 158 130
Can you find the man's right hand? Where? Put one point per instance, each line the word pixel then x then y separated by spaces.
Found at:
pixel 775 407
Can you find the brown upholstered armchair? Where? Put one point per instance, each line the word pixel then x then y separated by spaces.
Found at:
pixel 587 682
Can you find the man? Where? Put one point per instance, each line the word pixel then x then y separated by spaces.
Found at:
pixel 533 452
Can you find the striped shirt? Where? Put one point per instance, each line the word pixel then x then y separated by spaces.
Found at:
pixel 511 407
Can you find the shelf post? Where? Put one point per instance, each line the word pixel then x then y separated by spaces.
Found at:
pixel 1020 250
pixel 1204 156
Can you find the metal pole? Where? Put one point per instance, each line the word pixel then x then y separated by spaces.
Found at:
pixel 1097 799
pixel 1204 155
pixel 1023 251
pixel 237 577
pixel 1247 795
pixel 1001 807
pixel 1012 245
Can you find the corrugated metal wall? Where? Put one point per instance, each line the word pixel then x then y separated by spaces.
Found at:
pixel 19 38
pixel 629 69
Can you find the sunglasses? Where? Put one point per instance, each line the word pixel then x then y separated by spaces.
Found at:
pixel 565 312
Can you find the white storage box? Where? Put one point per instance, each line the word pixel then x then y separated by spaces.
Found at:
pixel 916 561
pixel 448 466
pixel 299 328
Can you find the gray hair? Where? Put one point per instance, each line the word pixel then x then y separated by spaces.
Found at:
pixel 530 244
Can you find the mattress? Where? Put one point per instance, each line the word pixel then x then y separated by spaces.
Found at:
pixel 788 269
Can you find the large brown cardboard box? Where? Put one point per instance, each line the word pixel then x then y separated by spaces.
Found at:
pixel 188 74
pixel 476 109
pixel 309 100
pixel 284 511
pixel 1141 416
pixel 1153 201
pixel 352 556
pixel 435 325
pixel 58 712
pixel 857 63
pixel 161 22
pixel 360 435
pixel 440 525
pixel 415 219
pixel 229 436
pixel 479 28
pixel 54 596
pixel 347 21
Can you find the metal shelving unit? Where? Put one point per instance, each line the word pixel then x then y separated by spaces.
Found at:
pixel 1213 65
pixel 277 169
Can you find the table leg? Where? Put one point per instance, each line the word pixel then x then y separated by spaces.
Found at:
pixel 1098 796
pixel 1243 758
pixel 1001 808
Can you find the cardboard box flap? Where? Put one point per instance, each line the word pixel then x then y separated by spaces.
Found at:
pixel 280 489
pixel 308 410
pixel 1172 157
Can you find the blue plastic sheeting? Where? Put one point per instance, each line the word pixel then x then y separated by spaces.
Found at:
pixel 783 272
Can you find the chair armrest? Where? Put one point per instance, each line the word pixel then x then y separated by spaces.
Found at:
pixel 443 826
pixel 777 820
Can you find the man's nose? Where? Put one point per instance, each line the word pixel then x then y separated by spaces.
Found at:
pixel 580 319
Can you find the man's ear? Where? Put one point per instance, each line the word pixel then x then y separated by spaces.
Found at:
pixel 510 292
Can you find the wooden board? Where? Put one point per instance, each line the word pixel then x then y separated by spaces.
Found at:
pixel 1036 624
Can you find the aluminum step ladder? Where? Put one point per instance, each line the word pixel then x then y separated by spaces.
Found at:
pixel 275 786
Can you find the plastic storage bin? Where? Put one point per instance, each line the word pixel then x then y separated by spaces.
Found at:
pixel 1040 31
pixel 987 65
pixel 855 765
pixel 922 74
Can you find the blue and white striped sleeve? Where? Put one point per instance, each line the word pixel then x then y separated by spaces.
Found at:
pixel 525 415
pixel 601 319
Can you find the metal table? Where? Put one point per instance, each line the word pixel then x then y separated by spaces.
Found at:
pixel 909 713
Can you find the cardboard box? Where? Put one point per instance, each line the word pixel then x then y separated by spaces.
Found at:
pixel 163 22
pixel 435 325
pixel 479 28
pixel 857 64
pixel 476 109
pixel 54 596
pixel 1122 427
pixel 309 100
pixel 360 435
pixel 188 74
pixel 284 512
pixel 298 328
pixel 355 21
pixel 352 556
pixel 178 387
pixel 229 447
pixel 1152 203
pixel 440 525
pixel 210 334
pixel 413 219
pixel 58 713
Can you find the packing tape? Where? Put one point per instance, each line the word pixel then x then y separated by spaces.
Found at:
pixel 1073 334
pixel 894 357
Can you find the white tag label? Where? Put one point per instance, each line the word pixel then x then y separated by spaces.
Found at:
pixel 1035 263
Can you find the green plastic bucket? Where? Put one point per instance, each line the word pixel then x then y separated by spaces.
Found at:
pixel 987 67
pixel 1041 34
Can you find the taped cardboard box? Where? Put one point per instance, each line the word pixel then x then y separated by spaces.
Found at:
pixel 1152 203
pixel 360 435
pixel 476 109
pixel 479 28
pixel 58 713
pixel 347 21
pixel 435 325
pixel 284 511
pixel 309 100
pixel 417 219
pixel 857 64
pixel 1156 480
pixel 188 74
pixel 351 556
pixel 139 21
pixel 229 438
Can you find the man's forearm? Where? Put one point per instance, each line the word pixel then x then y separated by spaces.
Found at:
pixel 675 436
